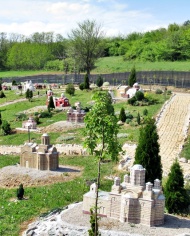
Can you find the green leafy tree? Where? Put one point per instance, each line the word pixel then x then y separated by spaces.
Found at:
pixel 87 42
pixel 122 115
pixel 6 128
pixel 147 151
pixel 70 89
pixel 86 82
pixel 101 131
pixel 132 77
pixel 51 104
pixel 177 199
pixel 99 81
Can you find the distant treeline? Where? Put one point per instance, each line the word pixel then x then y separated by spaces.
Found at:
pixel 49 51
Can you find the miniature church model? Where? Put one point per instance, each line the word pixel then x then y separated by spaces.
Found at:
pixel 42 157
pixel 132 201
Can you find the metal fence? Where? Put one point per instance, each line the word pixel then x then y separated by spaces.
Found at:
pixel 177 79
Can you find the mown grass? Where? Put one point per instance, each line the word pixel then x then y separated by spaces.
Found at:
pixel 13 214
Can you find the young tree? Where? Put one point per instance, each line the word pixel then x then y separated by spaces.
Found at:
pixel 99 81
pixel 0 120
pixel 177 199
pixel 70 89
pixel 86 82
pixel 30 95
pixel 132 77
pixel 51 104
pixel 101 136
pixel 6 127
pixel 138 119
pixel 147 151
pixel 27 94
pixel 87 41
pixel 122 115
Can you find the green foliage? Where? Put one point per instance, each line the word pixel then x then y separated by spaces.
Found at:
pixel 132 77
pixel 86 82
pixel 21 117
pixel 122 115
pixel 138 119
pixel 139 95
pixel 0 120
pixel 99 81
pixel 158 91
pixel 132 100
pixel 70 89
pixel 92 231
pixel 2 95
pixel 20 192
pixel 177 199
pixel 6 128
pixel 147 152
pixel 51 104
pixel 81 86
pixel 145 112
pixel 14 82
pixel 45 114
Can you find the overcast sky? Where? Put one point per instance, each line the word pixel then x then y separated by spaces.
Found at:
pixel 118 17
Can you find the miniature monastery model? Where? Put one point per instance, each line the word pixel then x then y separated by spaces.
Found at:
pixel 77 115
pixel 42 157
pixel 28 85
pixel 132 201
pixel 127 91
pixel 29 124
pixel 58 102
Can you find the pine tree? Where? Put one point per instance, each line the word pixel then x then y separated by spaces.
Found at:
pixel 132 77
pixel 6 127
pixel 122 115
pixel 86 82
pixel 99 81
pixel 177 199
pixel 51 104
pixel 30 95
pixel 27 94
pixel 138 119
pixel 147 152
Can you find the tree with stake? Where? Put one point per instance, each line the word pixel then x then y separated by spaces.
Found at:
pixel 101 136
pixel 132 77
pixel 177 199
pixel 147 151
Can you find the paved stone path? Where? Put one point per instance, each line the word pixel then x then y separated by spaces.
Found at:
pixel 172 126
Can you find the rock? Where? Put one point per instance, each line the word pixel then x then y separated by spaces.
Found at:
pixel 183 159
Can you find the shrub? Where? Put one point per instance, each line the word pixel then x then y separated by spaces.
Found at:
pixel 106 84
pixel 132 100
pixel 21 117
pixel 37 119
pixel 145 112
pixel 128 121
pixel 45 114
pixel 139 95
pixel 86 82
pixel 158 91
pixel 81 86
pixel 6 127
pixel 122 115
pixel 169 92
pixel 2 95
pixel 99 81
pixel 70 89
pixel 129 116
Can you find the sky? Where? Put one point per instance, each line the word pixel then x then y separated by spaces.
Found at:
pixel 116 17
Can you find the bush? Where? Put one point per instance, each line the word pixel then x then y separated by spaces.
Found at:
pixel 139 95
pixel 129 116
pixel 6 127
pixel 158 91
pixel 169 92
pixel 132 100
pixel 21 117
pixel 86 82
pixel 128 121
pixel 70 89
pixel 2 95
pixel 106 84
pixel 145 112
pixel 122 115
pixel 99 81
pixel 81 86
pixel 45 114
pixel 37 119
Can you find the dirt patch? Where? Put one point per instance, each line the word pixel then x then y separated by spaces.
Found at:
pixel 13 176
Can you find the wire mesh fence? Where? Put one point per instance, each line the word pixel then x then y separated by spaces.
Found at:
pixel 179 79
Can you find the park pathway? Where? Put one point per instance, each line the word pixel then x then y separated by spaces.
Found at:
pixel 172 127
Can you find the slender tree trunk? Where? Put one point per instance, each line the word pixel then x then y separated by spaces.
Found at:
pixel 96 201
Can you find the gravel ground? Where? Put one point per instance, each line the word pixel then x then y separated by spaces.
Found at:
pixel 72 222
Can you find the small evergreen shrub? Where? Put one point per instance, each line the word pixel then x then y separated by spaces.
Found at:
pixel 132 100
pixel 21 117
pixel 158 91
pixel 129 116
pixel 81 86
pixel 128 121
pixel 145 112
pixel 70 89
pixel 122 115
pixel 45 114
pixel 169 92
pixel 139 95
pixel 2 95
pixel 99 81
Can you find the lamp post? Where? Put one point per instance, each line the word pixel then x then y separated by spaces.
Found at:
pixel 29 133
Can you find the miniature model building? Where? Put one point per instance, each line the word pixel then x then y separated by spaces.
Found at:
pixel 42 157
pixel 132 201
pixel 29 124
pixel 58 102
pixel 76 115
pixel 28 85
